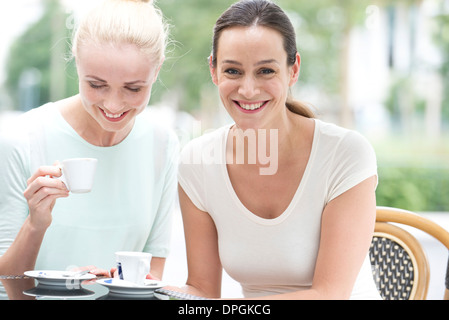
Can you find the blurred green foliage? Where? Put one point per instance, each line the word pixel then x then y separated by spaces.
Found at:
pixel 416 188
pixel 186 70
pixel 34 49
pixel 413 173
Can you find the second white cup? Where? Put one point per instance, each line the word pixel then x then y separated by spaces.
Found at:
pixel 133 266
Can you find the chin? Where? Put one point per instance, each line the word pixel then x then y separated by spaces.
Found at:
pixel 246 125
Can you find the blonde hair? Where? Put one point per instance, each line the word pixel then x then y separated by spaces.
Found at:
pixel 136 22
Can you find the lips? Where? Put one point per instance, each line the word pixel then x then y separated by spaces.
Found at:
pixel 113 117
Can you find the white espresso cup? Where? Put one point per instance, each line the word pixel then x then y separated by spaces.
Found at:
pixel 133 266
pixel 78 174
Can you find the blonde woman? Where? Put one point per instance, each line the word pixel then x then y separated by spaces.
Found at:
pixel 118 48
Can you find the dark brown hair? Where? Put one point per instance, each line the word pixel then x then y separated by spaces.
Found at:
pixel 247 13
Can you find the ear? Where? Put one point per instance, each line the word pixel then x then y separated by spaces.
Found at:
pixel 294 73
pixel 213 71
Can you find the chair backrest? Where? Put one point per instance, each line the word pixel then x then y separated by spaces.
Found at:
pixel 399 263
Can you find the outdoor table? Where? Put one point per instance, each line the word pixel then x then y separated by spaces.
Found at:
pixel 22 287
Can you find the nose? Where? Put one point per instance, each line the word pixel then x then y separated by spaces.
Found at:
pixel 113 102
pixel 248 87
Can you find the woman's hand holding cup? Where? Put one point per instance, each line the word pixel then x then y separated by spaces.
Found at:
pixel 51 182
pixel 41 194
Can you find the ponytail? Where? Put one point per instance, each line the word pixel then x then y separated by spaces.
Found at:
pixel 299 107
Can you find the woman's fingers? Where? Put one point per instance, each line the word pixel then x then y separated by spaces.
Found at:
pixel 42 192
pixel 150 276
pixel 43 186
pixel 52 171
pixel 100 272
pixel 46 197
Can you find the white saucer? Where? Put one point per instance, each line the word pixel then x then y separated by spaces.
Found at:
pixel 60 292
pixel 57 278
pixel 118 286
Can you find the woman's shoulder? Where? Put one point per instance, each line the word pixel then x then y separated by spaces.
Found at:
pixel 330 129
pixel 345 146
pixel 340 136
pixel 24 124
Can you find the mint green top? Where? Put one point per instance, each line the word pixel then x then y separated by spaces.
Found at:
pixel 128 208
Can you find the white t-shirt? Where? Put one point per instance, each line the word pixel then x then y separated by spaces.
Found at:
pixel 270 256
pixel 129 207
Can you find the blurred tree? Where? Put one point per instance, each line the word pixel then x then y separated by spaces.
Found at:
pixel 185 73
pixel 42 50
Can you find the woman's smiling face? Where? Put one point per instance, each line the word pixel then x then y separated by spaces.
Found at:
pixel 115 84
pixel 252 75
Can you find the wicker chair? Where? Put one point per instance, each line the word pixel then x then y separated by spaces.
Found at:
pixel 399 264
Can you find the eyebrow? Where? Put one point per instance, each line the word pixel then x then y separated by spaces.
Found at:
pixel 96 78
pixel 267 61
pixel 104 81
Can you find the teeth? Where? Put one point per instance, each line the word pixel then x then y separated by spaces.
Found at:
pixel 251 106
pixel 113 116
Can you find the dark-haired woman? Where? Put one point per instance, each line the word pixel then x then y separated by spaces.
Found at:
pixel 300 230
